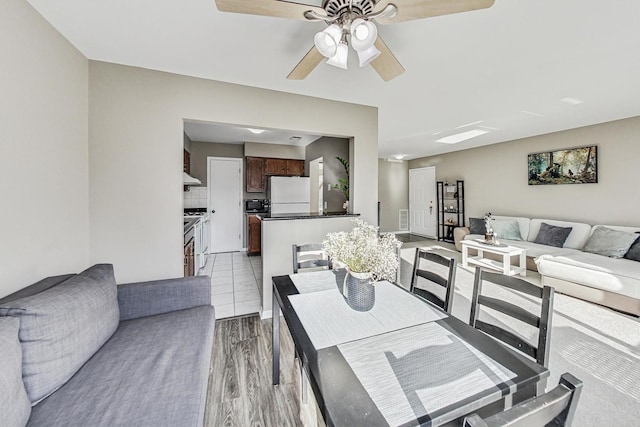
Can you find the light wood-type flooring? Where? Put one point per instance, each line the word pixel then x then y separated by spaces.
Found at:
pixel 240 388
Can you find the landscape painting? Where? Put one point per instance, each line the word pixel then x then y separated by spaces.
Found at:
pixel 571 166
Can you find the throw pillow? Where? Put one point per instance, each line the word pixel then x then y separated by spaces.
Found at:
pixel 608 242
pixel 506 229
pixel 63 326
pixel 634 250
pixel 15 406
pixel 477 226
pixel 552 235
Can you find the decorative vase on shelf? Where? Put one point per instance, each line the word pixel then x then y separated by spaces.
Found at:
pixel 359 291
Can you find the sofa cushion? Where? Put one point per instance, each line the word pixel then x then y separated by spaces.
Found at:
pixel 608 242
pixel 580 231
pixel 15 406
pixel 552 235
pixel 507 229
pixel 634 251
pixel 477 226
pixel 63 326
pixel 153 371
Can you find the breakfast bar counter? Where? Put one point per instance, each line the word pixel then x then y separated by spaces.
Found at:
pixel 304 215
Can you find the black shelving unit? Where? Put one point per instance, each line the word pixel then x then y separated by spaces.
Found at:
pixel 450 204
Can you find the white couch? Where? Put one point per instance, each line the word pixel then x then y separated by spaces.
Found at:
pixel 613 282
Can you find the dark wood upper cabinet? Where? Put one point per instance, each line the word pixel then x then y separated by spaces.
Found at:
pixel 295 167
pixel 275 166
pixel 255 175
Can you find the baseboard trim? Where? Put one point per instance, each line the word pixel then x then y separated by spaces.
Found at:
pixel 266 314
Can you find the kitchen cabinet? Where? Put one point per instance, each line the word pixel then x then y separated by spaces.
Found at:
pixel 189 261
pixel 255 175
pixel 254 241
pixel 295 167
pixel 275 166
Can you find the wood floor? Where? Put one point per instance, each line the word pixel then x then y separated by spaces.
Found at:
pixel 240 388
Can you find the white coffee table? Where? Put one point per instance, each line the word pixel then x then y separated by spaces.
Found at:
pixel 506 252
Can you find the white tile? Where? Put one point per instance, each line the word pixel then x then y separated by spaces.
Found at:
pixel 243 278
pixel 242 270
pixel 222 267
pixel 246 296
pixel 223 311
pixel 247 308
pixel 222 289
pixel 221 281
pixel 221 273
pixel 245 286
pixel 223 299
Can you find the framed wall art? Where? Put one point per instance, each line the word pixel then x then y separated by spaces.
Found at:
pixel 570 166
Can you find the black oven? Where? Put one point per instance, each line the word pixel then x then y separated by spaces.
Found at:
pixel 256 205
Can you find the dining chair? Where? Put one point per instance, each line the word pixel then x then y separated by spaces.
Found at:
pixel 555 408
pixel 541 322
pixel 310 255
pixel 448 282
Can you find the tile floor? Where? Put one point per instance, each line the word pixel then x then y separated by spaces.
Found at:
pixel 235 282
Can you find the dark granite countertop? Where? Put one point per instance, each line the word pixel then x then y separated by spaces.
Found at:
pixel 304 215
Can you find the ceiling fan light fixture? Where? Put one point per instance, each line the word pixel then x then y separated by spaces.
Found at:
pixel 340 58
pixel 363 34
pixel 366 56
pixel 326 41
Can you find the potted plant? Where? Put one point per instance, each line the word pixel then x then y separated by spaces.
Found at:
pixel 368 257
pixel 343 184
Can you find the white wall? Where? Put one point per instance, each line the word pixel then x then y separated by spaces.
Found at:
pixel 496 180
pixel 44 219
pixel 136 138
pixel 393 192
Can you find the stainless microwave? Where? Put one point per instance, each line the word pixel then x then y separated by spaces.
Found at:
pixel 256 205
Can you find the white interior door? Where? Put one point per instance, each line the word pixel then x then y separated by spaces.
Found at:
pixel 225 204
pixel 422 201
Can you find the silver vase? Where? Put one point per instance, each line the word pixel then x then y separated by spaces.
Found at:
pixel 359 291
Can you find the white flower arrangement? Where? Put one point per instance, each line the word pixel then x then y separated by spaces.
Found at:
pixel 363 251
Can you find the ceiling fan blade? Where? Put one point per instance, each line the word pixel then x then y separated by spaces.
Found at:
pixel 306 65
pixel 386 64
pixel 281 9
pixel 418 9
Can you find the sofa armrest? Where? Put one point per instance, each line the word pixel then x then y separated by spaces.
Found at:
pixel 458 236
pixel 163 296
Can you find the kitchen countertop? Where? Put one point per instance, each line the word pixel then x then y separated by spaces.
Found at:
pixel 304 215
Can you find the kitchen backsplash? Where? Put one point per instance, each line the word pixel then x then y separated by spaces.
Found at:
pixel 196 197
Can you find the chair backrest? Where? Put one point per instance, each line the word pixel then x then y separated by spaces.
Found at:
pixel 555 408
pixel 314 260
pixel 446 282
pixel 542 322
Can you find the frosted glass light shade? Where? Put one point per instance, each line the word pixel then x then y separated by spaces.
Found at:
pixel 366 56
pixel 363 34
pixel 340 58
pixel 326 41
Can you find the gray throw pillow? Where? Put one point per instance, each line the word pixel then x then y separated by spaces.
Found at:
pixel 608 242
pixel 15 406
pixel 477 226
pixel 552 235
pixel 634 250
pixel 63 326
pixel 506 229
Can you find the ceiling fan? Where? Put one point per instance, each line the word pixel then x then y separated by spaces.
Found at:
pixel 351 21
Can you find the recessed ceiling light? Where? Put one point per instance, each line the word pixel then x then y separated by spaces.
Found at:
pixel 571 101
pixel 399 156
pixel 531 113
pixel 470 124
pixel 256 131
pixel 459 137
pixel 295 138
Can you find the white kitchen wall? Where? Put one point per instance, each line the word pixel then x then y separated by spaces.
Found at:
pixel 196 197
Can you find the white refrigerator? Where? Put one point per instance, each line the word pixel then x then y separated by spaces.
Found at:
pixel 289 194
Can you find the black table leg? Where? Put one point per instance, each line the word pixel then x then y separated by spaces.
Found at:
pixel 276 339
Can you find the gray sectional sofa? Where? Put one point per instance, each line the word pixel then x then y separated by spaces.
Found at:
pixel 77 350
pixel 606 280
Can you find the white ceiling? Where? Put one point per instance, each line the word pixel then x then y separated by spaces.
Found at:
pixel 229 134
pixel 488 65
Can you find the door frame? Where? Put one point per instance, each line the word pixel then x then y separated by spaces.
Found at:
pixel 241 217
pixel 435 179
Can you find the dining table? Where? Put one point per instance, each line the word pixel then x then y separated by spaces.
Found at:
pixel 405 362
